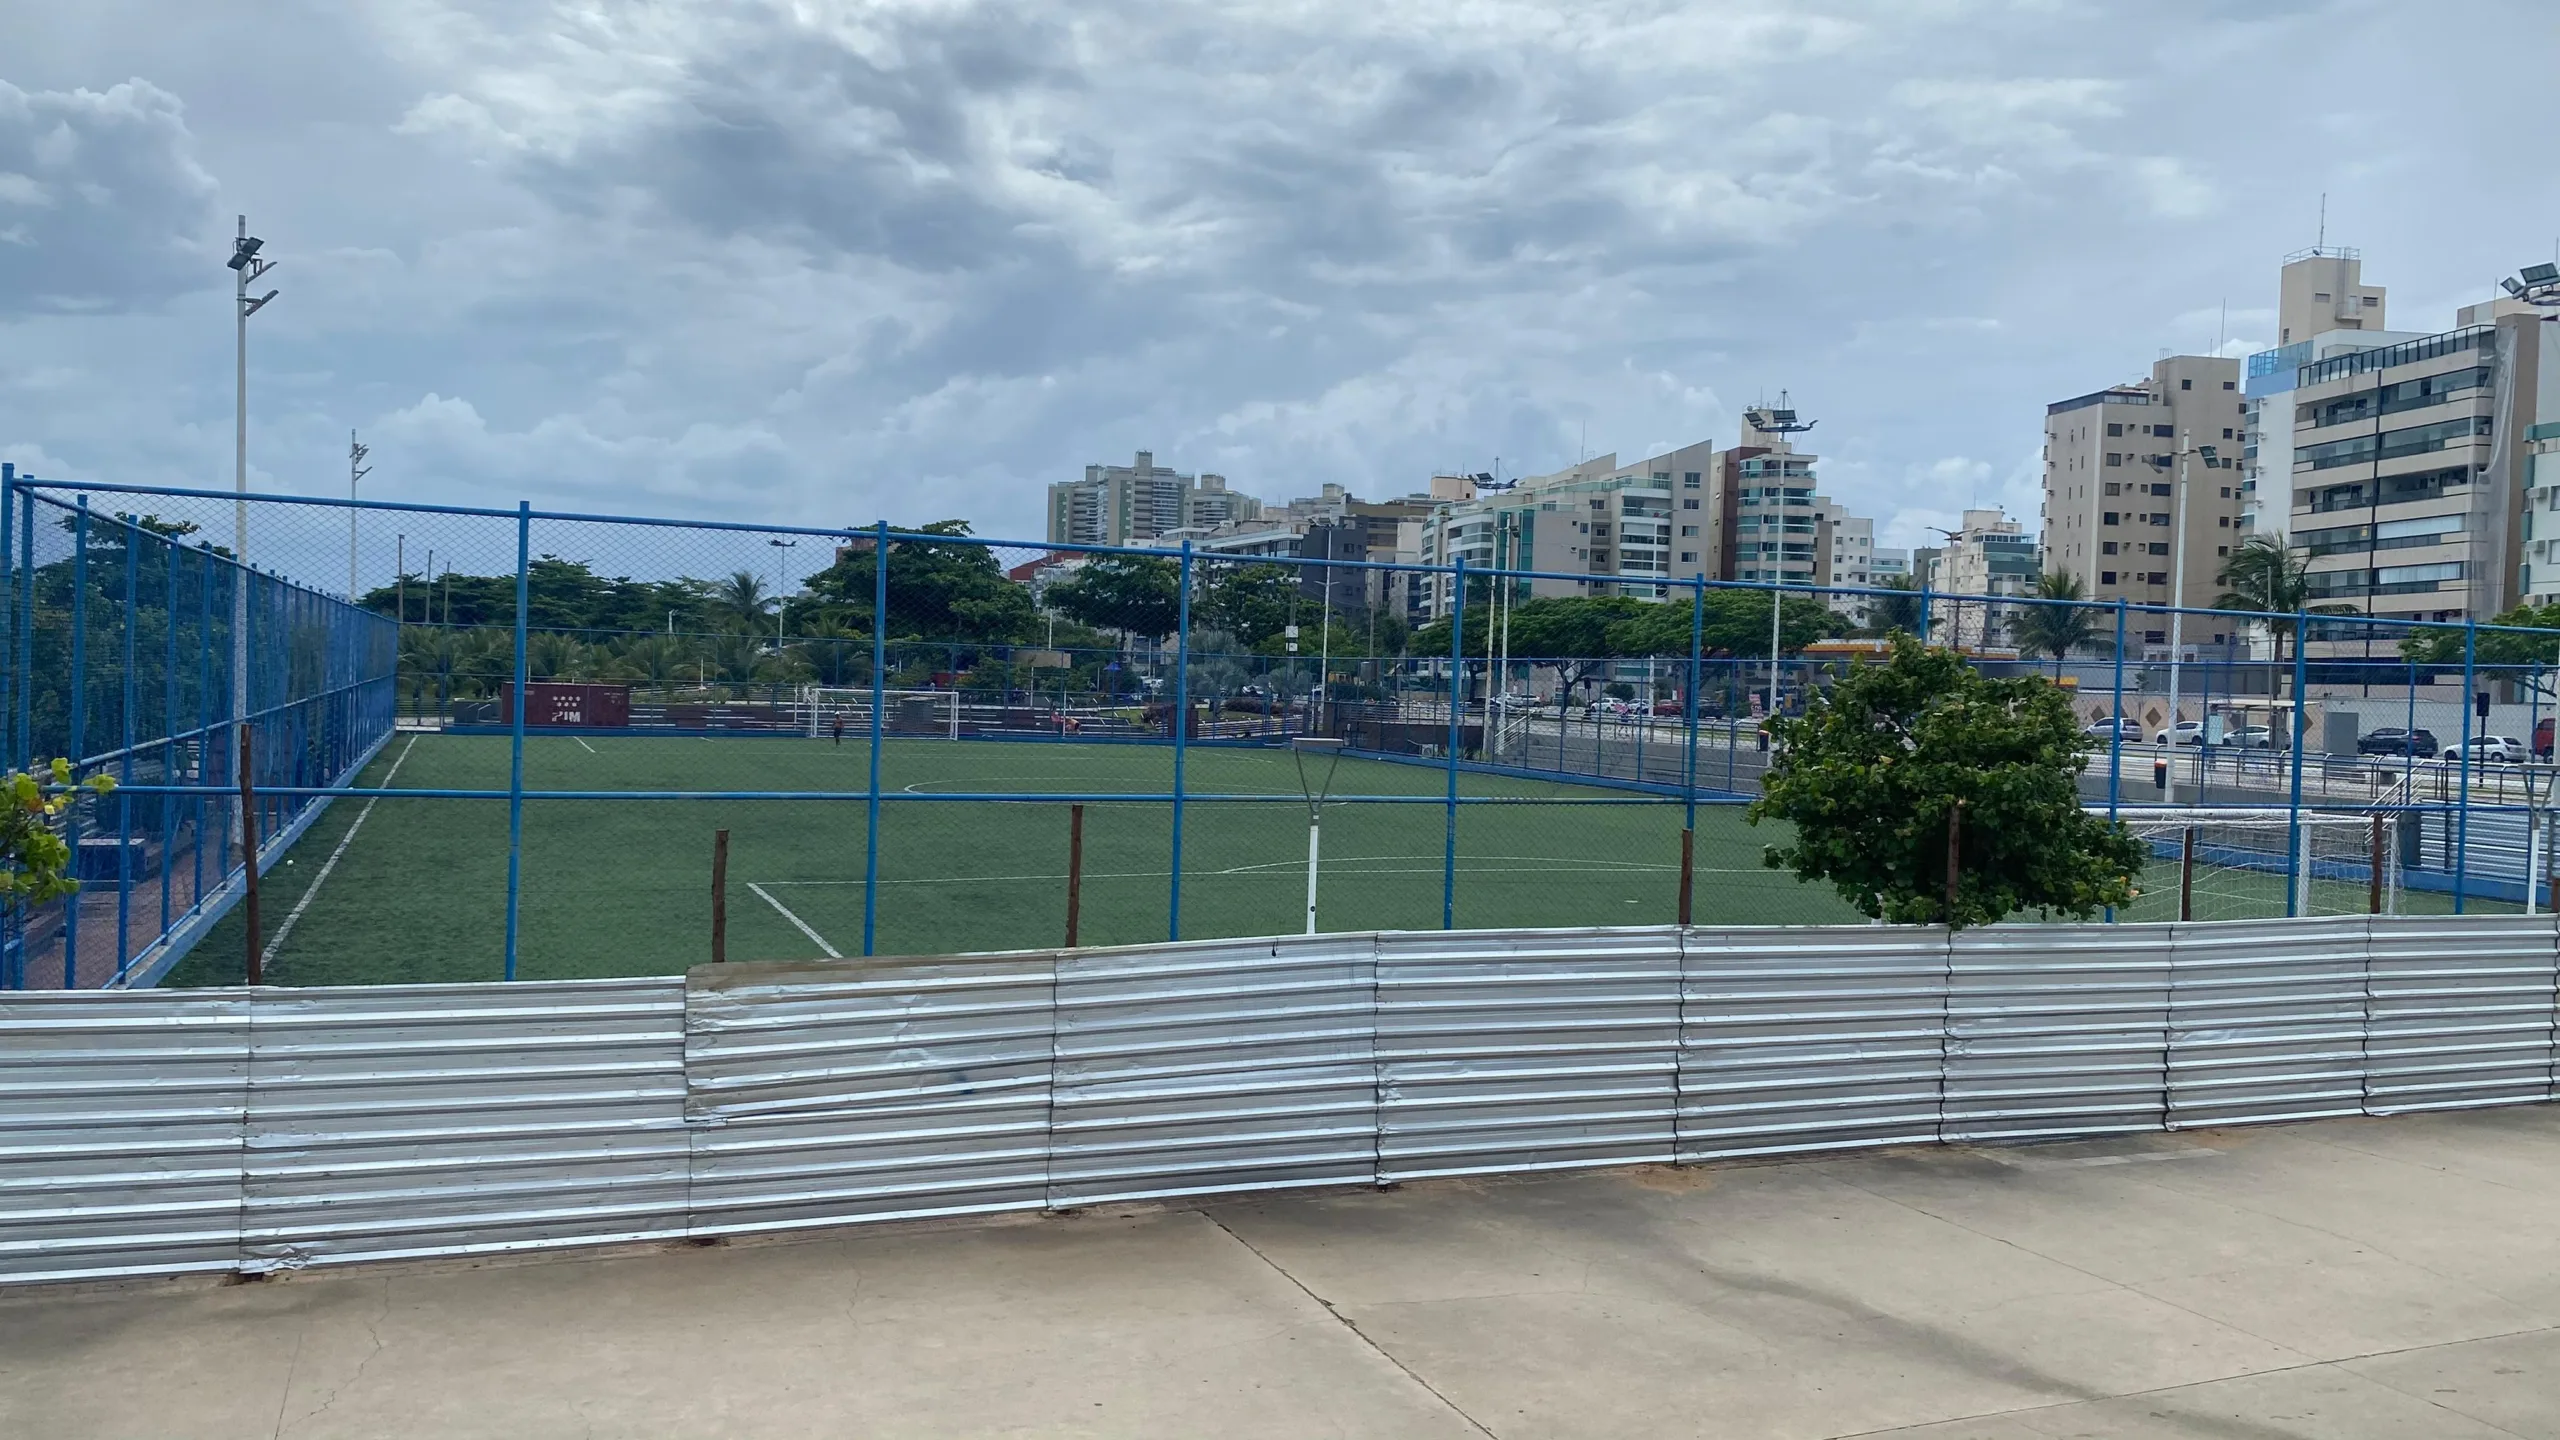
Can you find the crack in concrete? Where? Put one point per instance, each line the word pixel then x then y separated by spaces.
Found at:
pixel 1347 1323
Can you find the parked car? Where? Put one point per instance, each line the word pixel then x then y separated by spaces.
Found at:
pixel 2542 738
pixel 2105 730
pixel 2250 737
pixel 2185 732
pixel 2486 750
pixel 2394 741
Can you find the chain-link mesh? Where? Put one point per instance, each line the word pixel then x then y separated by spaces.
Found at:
pixel 584 746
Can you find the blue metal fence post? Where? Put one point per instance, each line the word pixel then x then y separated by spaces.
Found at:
pixel 168 725
pixel 2297 894
pixel 515 741
pixel 2462 816
pixel 1925 598
pixel 25 747
pixel 1182 733
pixel 16 617
pixel 1457 689
pixel 879 662
pixel 78 743
pixel 133 533
pixel 2115 733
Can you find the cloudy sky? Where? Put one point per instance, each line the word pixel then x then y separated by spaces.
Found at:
pixel 824 262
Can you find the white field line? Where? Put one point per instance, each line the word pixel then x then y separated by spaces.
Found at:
pixel 268 955
pixel 801 925
pixel 583 745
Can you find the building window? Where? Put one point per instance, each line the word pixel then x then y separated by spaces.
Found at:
pixel 2155 637
pixel 2226 492
pixel 2112 487
pixel 2106 577
pixel 2157 518
pixel 2226 432
pixel 2159 577
pixel 2186 384
pixel 2221 549
pixel 1688 557
pixel 2159 547
pixel 2114 428
pixel 1688 504
pixel 1689 480
pixel 1688 530
pixel 2114 458
pixel 2107 547
pixel 2224 521
pixel 2107 519
pixel 2227 385
pixel 2162 490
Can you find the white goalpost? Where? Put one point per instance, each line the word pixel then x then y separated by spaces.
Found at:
pixel 825 710
pixel 2245 864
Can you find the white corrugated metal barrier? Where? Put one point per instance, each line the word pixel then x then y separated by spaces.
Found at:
pixel 161 1132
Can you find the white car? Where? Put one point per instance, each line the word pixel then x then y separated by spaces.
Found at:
pixel 2185 732
pixel 2487 750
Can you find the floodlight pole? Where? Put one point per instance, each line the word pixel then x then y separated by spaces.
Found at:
pixel 356 470
pixel 245 266
pixel 782 596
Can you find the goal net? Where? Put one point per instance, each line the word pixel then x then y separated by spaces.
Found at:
pixel 827 710
pixel 2243 864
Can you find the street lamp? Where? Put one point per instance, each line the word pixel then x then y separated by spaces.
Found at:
pixel 2535 285
pixel 2178 575
pixel 781 598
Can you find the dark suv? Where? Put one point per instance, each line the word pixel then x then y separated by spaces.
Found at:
pixel 2418 743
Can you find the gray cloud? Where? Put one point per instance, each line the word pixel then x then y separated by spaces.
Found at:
pixel 823 262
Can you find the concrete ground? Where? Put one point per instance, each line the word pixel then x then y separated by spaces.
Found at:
pixel 2342 1280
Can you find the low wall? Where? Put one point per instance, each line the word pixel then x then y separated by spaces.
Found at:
pixel 159 1132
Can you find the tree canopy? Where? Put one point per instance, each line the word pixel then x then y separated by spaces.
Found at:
pixel 1141 594
pixel 1869 773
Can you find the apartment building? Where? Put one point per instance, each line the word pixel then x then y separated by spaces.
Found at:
pixel 2142 475
pixel 1991 557
pixel 1140 502
pixel 2411 470
pixel 1845 553
pixel 1748 512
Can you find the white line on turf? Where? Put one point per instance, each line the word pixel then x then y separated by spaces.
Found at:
pixel 583 745
pixel 268 955
pixel 797 923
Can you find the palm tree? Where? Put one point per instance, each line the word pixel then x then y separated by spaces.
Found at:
pixel 2056 629
pixel 1898 611
pixel 742 596
pixel 2265 575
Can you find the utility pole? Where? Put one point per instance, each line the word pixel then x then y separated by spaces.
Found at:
pixel 2178 579
pixel 356 470
pixel 246 265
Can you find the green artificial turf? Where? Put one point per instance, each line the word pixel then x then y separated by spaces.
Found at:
pixel 623 887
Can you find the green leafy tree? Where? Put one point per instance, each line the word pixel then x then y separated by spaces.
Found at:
pixel 2058 629
pixel 1138 594
pixel 35 861
pixel 2494 647
pixel 945 589
pixel 741 600
pixel 1251 602
pixel 1869 774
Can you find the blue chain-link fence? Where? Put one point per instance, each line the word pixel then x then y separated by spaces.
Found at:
pixel 771 741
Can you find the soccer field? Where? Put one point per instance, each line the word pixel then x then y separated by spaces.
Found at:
pixel 623 887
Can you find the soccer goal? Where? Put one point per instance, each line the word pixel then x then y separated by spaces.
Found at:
pixel 2241 864
pixel 827 711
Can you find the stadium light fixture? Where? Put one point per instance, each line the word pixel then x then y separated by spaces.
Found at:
pixel 2536 285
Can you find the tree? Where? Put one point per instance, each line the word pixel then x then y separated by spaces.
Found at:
pixel 949 589
pixel 35 861
pixel 1870 772
pixel 2056 629
pixel 1251 602
pixel 2266 575
pixel 1897 611
pixel 741 599
pixel 2493 647
pixel 1139 594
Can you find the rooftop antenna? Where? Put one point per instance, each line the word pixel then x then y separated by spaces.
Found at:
pixel 2222 325
pixel 2323 241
